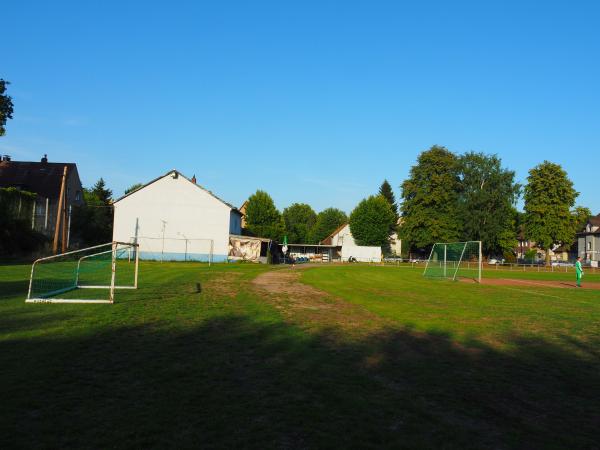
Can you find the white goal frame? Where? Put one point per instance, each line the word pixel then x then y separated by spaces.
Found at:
pixel 111 298
pixel 459 262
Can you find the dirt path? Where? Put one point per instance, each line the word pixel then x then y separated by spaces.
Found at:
pixel 312 308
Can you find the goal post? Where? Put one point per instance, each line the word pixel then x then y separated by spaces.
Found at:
pixel 452 260
pixel 89 275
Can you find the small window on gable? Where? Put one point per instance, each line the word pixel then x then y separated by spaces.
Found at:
pixel 77 196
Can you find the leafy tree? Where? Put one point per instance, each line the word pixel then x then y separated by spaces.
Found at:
pixel 549 197
pixel 327 221
pixel 430 199
pixel 133 187
pixel 262 218
pixel 372 221
pixel 530 254
pixel 486 202
pixel 386 191
pixel 581 216
pixel 6 106
pixel 299 220
pixel 92 223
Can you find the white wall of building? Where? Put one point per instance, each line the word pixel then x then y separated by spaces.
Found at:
pixel 186 215
pixel 344 239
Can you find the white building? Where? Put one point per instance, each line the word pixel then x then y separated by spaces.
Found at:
pixel 588 242
pixel 343 240
pixel 173 218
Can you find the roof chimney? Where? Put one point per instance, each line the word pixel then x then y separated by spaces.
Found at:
pixel 194 178
pixel 45 158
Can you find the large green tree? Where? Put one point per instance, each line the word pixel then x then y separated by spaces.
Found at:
pixel 327 221
pixel 262 217
pixel 6 106
pixel 92 223
pixel 430 200
pixel 386 191
pixel 486 203
pixel 549 197
pixel 299 220
pixel 372 222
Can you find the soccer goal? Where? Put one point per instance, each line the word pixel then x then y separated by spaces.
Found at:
pixel 89 275
pixel 454 260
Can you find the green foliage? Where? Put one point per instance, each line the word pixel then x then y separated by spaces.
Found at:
pixel 531 254
pixel 509 257
pixel 581 216
pixel 372 221
pixel 486 202
pixel 16 235
pixel 92 223
pixel 133 187
pixel 299 220
pixel 385 190
pixel 549 197
pixel 262 218
pixel 430 196
pixel 15 204
pixel 6 106
pixel 327 221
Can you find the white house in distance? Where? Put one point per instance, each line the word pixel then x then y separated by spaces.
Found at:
pixel 173 218
pixel 347 247
pixel 588 242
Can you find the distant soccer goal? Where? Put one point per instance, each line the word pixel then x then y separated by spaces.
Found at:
pixel 454 260
pixel 89 275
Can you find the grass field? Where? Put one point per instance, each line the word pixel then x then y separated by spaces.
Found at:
pixel 333 356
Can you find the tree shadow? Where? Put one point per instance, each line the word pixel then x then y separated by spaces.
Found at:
pixel 13 288
pixel 234 381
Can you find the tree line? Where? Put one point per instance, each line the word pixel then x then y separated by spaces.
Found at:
pixel 446 198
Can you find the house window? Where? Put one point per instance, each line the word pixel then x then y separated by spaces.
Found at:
pixel 590 245
pixel 77 196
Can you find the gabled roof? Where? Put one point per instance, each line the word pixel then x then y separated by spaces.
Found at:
pixel 329 239
pixel 171 172
pixel 595 221
pixel 43 178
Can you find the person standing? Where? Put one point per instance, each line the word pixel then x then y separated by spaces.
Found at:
pixel 578 271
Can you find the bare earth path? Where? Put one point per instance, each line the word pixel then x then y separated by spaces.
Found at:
pixel 312 308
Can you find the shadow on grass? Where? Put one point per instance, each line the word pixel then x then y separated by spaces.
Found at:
pixel 14 288
pixel 234 382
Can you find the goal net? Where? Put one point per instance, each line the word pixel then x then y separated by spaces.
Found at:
pixel 452 260
pixel 89 275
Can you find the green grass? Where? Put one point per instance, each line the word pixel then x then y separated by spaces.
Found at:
pixel 443 365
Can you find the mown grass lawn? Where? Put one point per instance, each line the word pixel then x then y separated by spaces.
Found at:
pixel 443 365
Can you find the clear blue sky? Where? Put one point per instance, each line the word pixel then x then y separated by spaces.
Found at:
pixel 313 102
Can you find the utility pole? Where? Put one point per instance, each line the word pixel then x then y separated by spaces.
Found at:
pixel 59 211
pixel 64 223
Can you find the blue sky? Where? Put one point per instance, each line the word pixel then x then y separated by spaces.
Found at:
pixel 313 102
